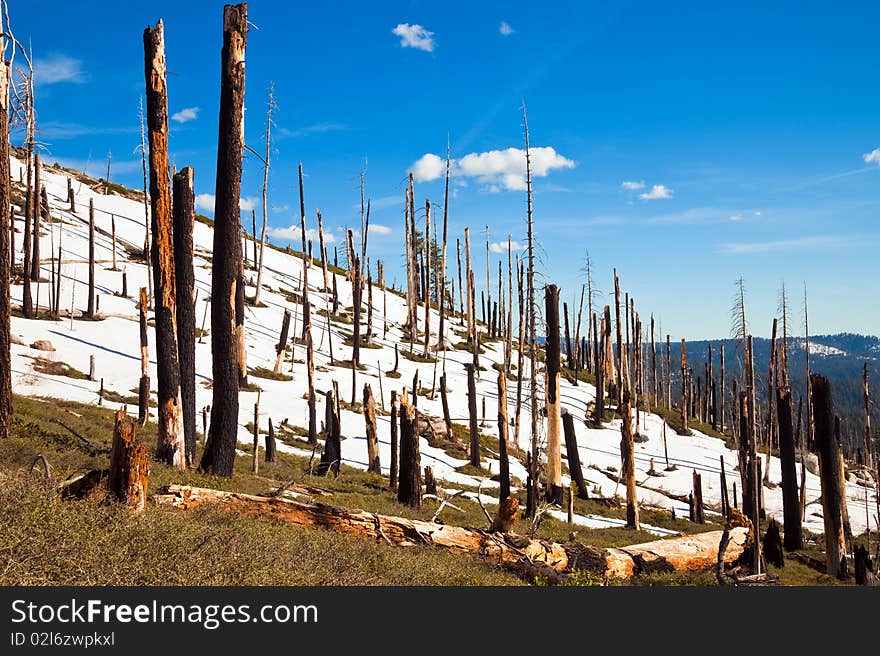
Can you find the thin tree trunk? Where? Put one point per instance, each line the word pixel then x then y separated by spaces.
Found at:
pixel 684 389
pixel 445 403
pixel 144 387
pixel 184 222
pixel 266 159
pixel 372 438
pixel 332 456
pixel 219 455
pixel 170 446
pixel 504 464
pixel 282 342
pixel 409 487
pixel 472 414
pixel 553 405
pixel 573 457
pixel 628 468
pixel 310 370
pixel 869 448
pixel 271 450
pixel 6 256
pixel 91 306
pixel 36 205
pixel 392 473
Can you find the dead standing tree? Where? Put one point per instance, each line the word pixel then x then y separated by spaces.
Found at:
pixel 790 501
pixel 219 454
pixel 170 445
pixel 5 255
pixel 144 387
pixel 553 405
pixel 184 222
pixel 266 159
pixel 829 470
pixel 628 467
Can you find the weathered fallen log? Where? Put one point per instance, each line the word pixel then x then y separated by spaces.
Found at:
pixel 555 560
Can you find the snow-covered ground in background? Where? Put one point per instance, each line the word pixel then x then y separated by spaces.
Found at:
pixel 114 343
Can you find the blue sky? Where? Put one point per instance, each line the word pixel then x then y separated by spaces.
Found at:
pixel 744 132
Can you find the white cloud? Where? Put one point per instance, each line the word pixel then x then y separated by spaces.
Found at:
pixel 873 157
pixel 501 246
pixel 414 36
pixel 629 185
pixel 317 128
pixel 205 202
pixel 378 229
pixel 58 68
pixel 185 115
pixel 428 167
pixel 817 242
pixel 736 217
pixel 505 29
pixel 496 169
pixel 294 233
pixel 658 191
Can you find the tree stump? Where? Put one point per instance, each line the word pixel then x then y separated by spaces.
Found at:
pixel 772 545
pixel 129 465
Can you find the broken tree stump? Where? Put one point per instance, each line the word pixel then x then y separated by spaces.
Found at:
pixel 129 465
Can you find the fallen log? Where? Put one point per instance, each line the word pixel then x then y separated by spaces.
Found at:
pixel 551 559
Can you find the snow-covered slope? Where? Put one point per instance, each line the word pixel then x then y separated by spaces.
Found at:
pixel 113 342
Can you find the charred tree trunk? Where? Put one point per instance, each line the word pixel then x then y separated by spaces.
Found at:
pixel 37 208
pixel 6 255
pixel 271 451
pixel 790 500
pixel 699 516
pixel 628 467
pixel 310 371
pixel 282 341
pixel 129 466
pixel 184 218
pixel 144 388
pixel 829 469
pixel 392 473
pixel 219 455
pixel 472 415
pixel 170 445
pixel 331 458
pixel 554 419
pixel 372 438
pixel 620 352
pixel 409 487
pixel 684 389
pixel 445 403
pixel 90 311
pixel 503 464
pixel 574 460
pixel 869 447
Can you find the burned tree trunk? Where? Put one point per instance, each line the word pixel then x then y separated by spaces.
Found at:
pixel 628 466
pixel 144 388
pixel 472 415
pixel 282 341
pixel 829 470
pixel 184 218
pixel 310 370
pixel 869 448
pixel 331 458
pixel 5 257
pixel 271 450
pixel 684 389
pixel 37 209
pixel 503 463
pixel 409 487
pixel 170 445
pixel 129 465
pixel 372 438
pixel 554 419
pixel 699 516
pixel 219 455
pixel 445 403
pixel 90 311
pixel 790 500
pixel 574 460
pixel 392 473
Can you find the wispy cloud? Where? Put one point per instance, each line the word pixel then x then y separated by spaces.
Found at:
pixel 307 130
pixel 658 192
pixel 294 233
pixel 630 185
pixel 378 229
pixel 205 202
pixel 505 29
pixel 415 36
pixel 873 157
pixel 497 169
pixel 801 243
pixel 60 130
pixel 501 246
pixel 279 208
pixel 185 115
pixel 57 68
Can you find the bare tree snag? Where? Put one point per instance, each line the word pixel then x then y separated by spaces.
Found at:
pixel 699 516
pixel 129 465
pixel 628 466
pixel 620 352
pixel 144 387
pixel 790 501
pixel 184 222
pixel 219 455
pixel 427 277
pixel 36 208
pixel 409 487
pixel 392 473
pixel 472 415
pixel 90 312
pixel 445 403
pixel 829 469
pixel 684 391
pixel 869 447
pixel 331 458
pixel 532 493
pixel 503 462
pixel 372 437
pixel 441 298
pixel 312 401
pixel 256 455
pixel 267 156
pixel 574 459
pixel 271 449
pixel 6 255
pixel 553 405
pixel 170 445
pixel 282 341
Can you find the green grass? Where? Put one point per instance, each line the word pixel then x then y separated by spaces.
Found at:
pixel 265 372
